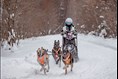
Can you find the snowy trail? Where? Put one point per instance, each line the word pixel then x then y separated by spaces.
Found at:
pixel 98 60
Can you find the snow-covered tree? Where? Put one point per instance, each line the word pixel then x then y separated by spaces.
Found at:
pixel 102 29
pixel 8 28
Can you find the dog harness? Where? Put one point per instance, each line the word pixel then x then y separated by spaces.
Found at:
pixel 42 59
pixel 56 51
pixel 67 59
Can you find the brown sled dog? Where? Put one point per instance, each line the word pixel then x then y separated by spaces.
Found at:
pixel 67 60
pixel 56 52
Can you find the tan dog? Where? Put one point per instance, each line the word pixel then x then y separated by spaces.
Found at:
pixel 43 59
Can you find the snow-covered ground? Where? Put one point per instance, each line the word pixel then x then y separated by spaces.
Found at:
pixel 98 59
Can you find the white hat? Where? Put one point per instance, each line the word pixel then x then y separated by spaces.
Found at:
pixel 68 21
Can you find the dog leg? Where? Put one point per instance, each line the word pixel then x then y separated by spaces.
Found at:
pixel 64 67
pixel 48 66
pixel 45 71
pixel 71 67
pixel 57 60
pixel 41 68
pixel 65 71
pixel 60 62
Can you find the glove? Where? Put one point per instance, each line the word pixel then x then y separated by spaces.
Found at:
pixel 62 33
pixel 75 32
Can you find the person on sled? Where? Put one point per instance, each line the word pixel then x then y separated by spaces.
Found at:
pixel 69 28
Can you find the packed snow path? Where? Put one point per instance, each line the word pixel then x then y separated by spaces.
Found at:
pixel 98 59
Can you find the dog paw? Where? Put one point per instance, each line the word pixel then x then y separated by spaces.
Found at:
pixel 64 67
pixel 47 71
pixel 41 69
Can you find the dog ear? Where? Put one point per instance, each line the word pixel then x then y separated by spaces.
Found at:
pixel 54 41
pixel 37 53
pixel 58 41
